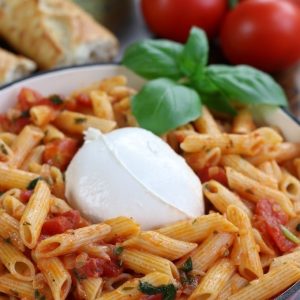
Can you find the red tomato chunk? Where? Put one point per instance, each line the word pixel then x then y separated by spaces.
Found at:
pixel 213 173
pixel 59 224
pixel 268 218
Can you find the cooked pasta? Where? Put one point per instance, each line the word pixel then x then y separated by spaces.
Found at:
pixel 244 247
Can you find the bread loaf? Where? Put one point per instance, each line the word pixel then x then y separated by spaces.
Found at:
pixel 55 33
pixel 13 67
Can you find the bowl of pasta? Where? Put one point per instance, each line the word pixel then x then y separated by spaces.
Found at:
pixel 244 245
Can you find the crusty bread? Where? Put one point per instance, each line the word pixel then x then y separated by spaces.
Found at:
pixel 13 67
pixel 55 33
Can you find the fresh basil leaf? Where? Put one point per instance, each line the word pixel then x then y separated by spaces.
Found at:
pixel 168 291
pixel 154 58
pixel 194 56
pixel 162 105
pixel 188 265
pixel 217 102
pixel 246 85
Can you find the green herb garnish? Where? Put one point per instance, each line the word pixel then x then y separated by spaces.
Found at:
pixel 289 235
pixel 298 227
pixel 56 100
pixel 187 266
pixel 3 149
pixel 25 114
pixel 182 81
pixel 79 120
pixel 33 183
pixel 38 295
pixel 78 275
pixel 118 250
pixel 168 291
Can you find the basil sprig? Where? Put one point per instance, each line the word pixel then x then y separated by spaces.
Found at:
pixel 182 81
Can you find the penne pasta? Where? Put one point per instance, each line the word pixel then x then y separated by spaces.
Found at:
pixel 57 277
pixel 8 138
pixel 15 261
pixel 13 206
pixel 6 153
pixel 292 258
pixel 221 197
pixel 52 133
pixel 102 106
pixel 207 253
pixel 290 186
pixel 243 122
pixel 92 287
pixel 145 263
pixel 198 229
pixel 272 169
pixel 250 265
pixel 254 191
pixel 206 123
pixel 270 284
pixel 159 244
pixel 35 214
pixel 41 115
pixel 65 243
pixel 214 281
pixel 77 123
pixel 34 157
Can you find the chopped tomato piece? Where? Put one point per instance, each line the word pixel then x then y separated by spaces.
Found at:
pixel 25 195
pixel 60 152
pixel 61 223
pixel 270 218
pixel 28 98
pixel 96 267
pixel 83 100
pixel 213 173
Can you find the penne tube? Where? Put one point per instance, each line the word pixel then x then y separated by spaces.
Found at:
pixel 254 191
pixel 109 83
pixel 234 284
pixel 270 284
pixel 57 277
pixel 9 230
pixel 266 260
pixel 52 133
pixel 35 214
pixel 243 122
pixel 71 241
pixel 95 250
pixel 130 289
pixel 14 287
pixel 41 115
pixel 13 206
pixel 221 197
pixel 214 281
pixel 14 178
pixel 293 258
pixel 207 253
pixel 102 106
pixel 206 123
pixel 289 185
pixel 246 144
pixel 199 160
pixel 6 153
pixel 243 166
pixel 92 287
pixel 77 123
pixel 269 135
pixel 34 157
pixel 16 262
pixel 145 263
pixel 59 206
pixel 198 229
pixel 160 245
pixel 121 92
pixel 27 139
pixel 263 247
pixel 272 169
pixel 121 227
pixel 250 265
pixel 8 138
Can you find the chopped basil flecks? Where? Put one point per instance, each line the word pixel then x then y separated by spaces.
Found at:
pixel 168 291
pixel 56 100
pixel 118 250
pixel 78 275
pixel 3 149
pixel 289 235
pixel 33 183
pixel 38 295
pixel 79 120
pixel 187 266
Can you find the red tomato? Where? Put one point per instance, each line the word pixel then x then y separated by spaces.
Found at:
pixel 83 100
pixel 59 224
pixel 96 267
pixel 25 195
pixel 262 33
pixel 59 152
pixel 27 98
pixel 213 173
pixel 271 217
pixel 173 19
